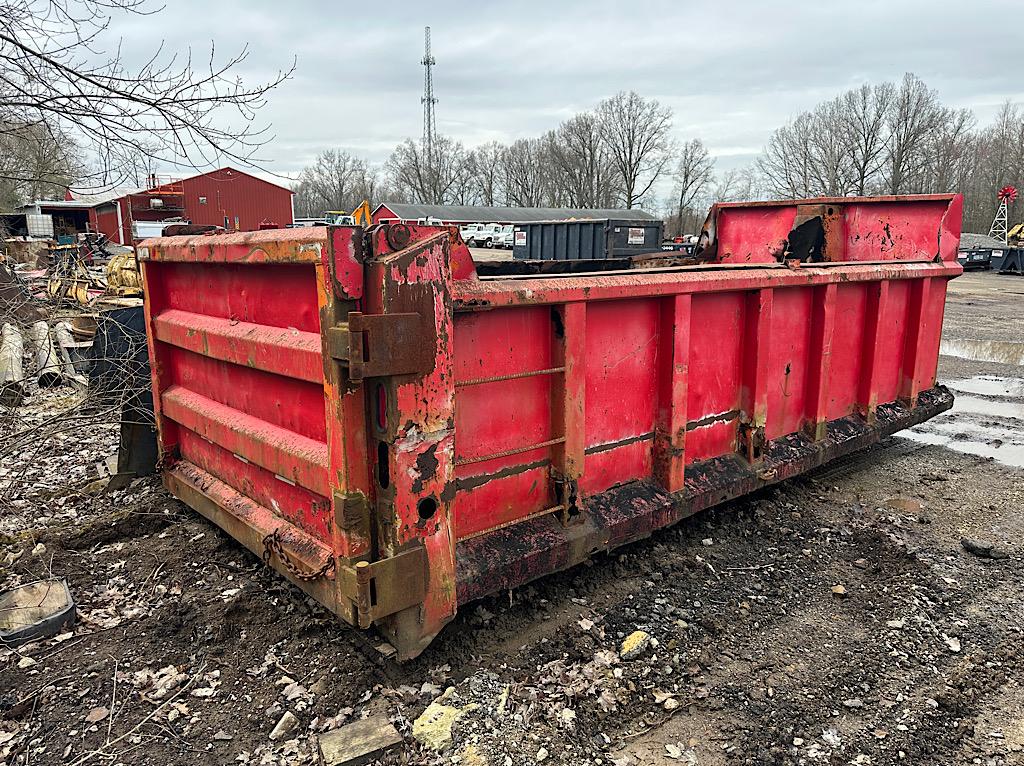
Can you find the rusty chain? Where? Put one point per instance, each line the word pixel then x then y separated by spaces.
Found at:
pixel 272 544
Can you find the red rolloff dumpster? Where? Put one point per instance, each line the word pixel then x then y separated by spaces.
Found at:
pixel 400 431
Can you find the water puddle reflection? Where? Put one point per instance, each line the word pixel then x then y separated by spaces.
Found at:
pixel 1001 351
pixel 987 418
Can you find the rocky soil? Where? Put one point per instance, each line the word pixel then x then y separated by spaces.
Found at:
pixel 837 618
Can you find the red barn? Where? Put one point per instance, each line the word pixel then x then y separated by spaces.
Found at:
pixel 225 197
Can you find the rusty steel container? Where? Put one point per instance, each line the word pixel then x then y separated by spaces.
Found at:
pixel 399 434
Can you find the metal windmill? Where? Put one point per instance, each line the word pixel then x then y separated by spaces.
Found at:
pixel 428 100
pixel 999 227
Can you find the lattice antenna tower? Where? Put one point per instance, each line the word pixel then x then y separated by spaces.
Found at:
pixel 428 100
pixel 999 226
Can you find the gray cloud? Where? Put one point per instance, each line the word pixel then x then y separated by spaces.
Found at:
pixel 732 71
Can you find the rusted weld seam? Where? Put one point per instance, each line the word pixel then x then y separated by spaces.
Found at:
pixel 723 417
pixel 509 523
pixel 512 376
pixel 472 482
pixel 506 453
pixel 597 448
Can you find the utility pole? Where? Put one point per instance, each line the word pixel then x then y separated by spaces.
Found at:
pixel 428 100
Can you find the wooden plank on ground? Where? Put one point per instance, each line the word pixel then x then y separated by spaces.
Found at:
pixel 360 742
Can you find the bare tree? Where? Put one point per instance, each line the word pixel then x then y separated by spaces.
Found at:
pixel 33 165
pixel 583 174
pixel 739 185
pixel 916 111
pixel 525 172
pixel 486 172
pixel 58 75
pixel 864 112
pixel 896 139
pixel 786 163
pixel 949 153
pixel 428 177
pixel 997 160
pixel 694 173
pixel 637 134
pixel 335 181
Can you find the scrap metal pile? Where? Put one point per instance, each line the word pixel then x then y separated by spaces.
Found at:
pixel 71 316
pixel 65 283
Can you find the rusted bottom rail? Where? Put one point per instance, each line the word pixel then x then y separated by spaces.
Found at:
pixel 509 557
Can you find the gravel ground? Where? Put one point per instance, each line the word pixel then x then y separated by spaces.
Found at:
pixel 833 619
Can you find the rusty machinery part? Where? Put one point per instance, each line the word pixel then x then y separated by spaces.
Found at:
pixel 397 235
pixel 272 545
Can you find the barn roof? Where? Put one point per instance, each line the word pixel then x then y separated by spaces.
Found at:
pixel 485 214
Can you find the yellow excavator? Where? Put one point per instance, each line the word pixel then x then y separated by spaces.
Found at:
pixel 360 216
pixel 1015 236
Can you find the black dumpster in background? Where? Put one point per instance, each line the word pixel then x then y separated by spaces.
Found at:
pixel 977 258
pixel 591 239
pixel 119 376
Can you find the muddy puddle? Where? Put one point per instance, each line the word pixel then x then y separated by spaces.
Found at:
pixel 1000 351
pixel 987 418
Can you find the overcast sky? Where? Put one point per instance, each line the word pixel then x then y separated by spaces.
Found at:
pixel 732 71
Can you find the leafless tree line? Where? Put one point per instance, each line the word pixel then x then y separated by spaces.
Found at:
pixel 616 155
pixel 888 138
pixel 896 138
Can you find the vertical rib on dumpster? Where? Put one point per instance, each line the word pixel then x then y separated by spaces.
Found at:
pixel 348 467
pixel 416 485
pixel 823 320
pixel 670 428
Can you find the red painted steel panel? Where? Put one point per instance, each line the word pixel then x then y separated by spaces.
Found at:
pixel 622 358
pixel 273 247
pixel 614 466
pixel 788 364
pixel 891 342
pixel 715 370
pixel 292 404
pixel 284 296
pixel 517 424
pixel 282 350
pixel 921 227
pixel 496 343
pixel 307 510
pixel 932 337
pixel 297 459
pixel 501 416
pixel 847 350
pixel 504 499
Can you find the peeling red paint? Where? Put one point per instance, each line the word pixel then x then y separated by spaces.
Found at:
pixel 396 408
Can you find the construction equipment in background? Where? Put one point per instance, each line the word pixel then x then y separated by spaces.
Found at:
pixel 360 216
pixel 338 218
pixel 1012 261
pixel 400 430
pixel 1015 236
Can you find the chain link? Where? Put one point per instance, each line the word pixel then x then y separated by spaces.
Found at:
pixel 272 544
